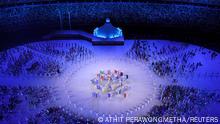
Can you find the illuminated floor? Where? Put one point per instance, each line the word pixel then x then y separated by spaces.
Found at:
pixel 72 88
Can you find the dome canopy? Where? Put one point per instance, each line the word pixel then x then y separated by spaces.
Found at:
pixel 107 31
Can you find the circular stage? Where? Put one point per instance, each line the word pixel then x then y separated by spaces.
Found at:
pixel 141 96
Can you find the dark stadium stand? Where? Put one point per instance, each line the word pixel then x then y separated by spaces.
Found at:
pixel 65 62
pixel 188 21
pixel 195 2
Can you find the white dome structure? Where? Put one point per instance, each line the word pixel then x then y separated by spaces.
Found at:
pixel 107 31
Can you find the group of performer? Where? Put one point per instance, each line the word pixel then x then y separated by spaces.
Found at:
pixel 109 83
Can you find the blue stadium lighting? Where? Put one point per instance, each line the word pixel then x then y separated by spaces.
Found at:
pixel 107 31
